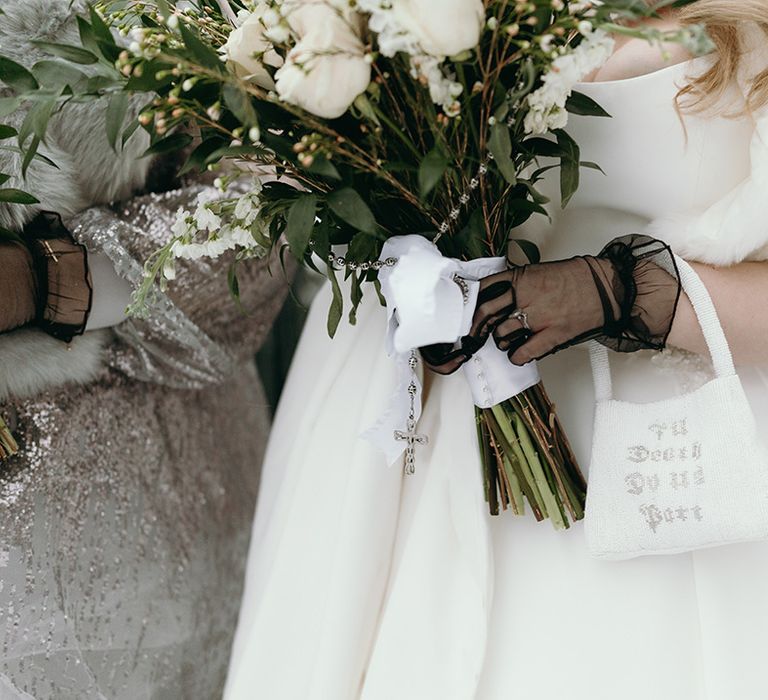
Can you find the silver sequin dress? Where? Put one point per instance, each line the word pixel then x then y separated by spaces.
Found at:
pixel 124 521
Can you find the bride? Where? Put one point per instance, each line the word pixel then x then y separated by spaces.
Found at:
pixel 364 583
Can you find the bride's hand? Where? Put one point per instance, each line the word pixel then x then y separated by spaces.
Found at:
pixel 622 297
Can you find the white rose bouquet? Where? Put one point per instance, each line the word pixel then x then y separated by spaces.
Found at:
pixel 403 140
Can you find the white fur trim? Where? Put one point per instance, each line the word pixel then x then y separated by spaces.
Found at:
pixel 32 362
pixel 733 229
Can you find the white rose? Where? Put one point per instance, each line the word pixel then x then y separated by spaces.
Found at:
pixel 442 27
pixel 248 50
pixel 326 69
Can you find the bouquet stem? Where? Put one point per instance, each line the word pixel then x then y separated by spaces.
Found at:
pixel 526 457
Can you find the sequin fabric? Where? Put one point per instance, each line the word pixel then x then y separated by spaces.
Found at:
pixel 124 520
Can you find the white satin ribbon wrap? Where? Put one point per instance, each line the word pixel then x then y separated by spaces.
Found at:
pixel 425 305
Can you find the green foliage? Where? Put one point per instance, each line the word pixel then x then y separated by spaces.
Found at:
pixel 431 170
pixel 395 163
pixel 75 54
pixel 579 103
pixel 115 117
pixel 569 167
pixel 336 310
pixel 14 196
pixel 239 103
pixel 500 146
pixel 299 224
pixel 350 207
pixel 169 144
pixel 16 76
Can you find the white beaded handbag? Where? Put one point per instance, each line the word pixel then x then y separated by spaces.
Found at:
pixel 680 474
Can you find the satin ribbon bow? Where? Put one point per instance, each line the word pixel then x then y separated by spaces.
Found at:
pixel 426 305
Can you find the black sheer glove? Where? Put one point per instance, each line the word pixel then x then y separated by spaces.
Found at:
pixel 625 298
pixel 64 280
pixel 46 282
pixel 18 286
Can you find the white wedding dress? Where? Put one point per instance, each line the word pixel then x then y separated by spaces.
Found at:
pixel 367 584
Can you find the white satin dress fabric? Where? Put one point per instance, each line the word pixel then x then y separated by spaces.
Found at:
pixel 364 584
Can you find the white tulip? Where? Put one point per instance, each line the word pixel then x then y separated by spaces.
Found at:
pixel 442 27
pixel 248 51
pixel 327 68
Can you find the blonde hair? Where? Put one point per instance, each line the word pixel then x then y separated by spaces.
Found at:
pixel 726 22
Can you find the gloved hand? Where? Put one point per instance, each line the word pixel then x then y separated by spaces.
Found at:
pixel 622 297
pixel 46 282
pixel 18 286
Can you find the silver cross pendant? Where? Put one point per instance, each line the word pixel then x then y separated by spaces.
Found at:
pixel 411 438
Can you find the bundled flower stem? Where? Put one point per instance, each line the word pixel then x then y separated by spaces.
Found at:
pixel 526 457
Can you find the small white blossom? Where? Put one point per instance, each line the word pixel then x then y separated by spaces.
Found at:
pixel 546 105
pixel 546 42
pixel 169 270
pixel 182 226
pixel 242 236
pixel 442 89
pixel 206 219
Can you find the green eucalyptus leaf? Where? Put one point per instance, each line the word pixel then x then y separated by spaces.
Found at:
pixel 14 196
pixel 129 131
pixel 322 166
pixel 97 83
pixel 592 166
pixel 579 103
pixel 239 103
pixel 337 303
pixel 36 120
pixel 471 240
pixel 363 247
pixel 569 166
pixel 75 54
pixel 530 250
pixel 41 114
pixel 299 224
pixel 8 105
pixel 29 155
pixel 16 76
pixel 543 147
pixel 356 294
pixel 350 207
pixel 198 159
pixel 99 27
pixel 56 74
pixel 87 35
pixel 169 144
pixel 500 146
pixel 431 170
pixel 115 117
pixel 4 177
pixel 234 152
pixel 201 51
pixel 7 132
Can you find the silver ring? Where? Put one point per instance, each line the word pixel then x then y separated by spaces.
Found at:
pixel 521 316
